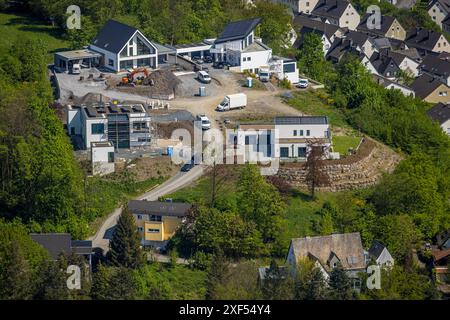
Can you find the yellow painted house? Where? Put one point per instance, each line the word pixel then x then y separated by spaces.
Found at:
pixel 157 221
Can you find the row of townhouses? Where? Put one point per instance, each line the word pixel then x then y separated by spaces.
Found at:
pixel 388 51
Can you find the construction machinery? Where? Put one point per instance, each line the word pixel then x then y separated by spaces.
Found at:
pixel 129 79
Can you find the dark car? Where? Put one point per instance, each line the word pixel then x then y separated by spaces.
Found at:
pixel 218 65
pixel 208 59
pixel 187 167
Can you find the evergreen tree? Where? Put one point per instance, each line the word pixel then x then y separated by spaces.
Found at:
pixel 125 250
pixel 52 285
pixel 276 285
pixel 216 274
pixel 310 283
pixel 100 283
pixel 122 285
pixel 340 284
pixel 16 277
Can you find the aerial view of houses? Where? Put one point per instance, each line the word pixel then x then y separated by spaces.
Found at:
pixel 225 150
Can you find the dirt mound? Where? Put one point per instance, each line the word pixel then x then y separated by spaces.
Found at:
pixel 91 98
pixel 164 130
pixel 164 81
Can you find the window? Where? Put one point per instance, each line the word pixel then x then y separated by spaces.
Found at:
pixel 308 133
pixel 153 230
pixel 307 4
pixel 295 133
pixel 111 62
pixel 289 67
pixel 443 93
pixel 301 133
pixel 302 152
pixel 98 128
pixel 247 140
pixel 142 48
pixel 249 59
pixel 140 229
pixel 284 152
pixel 144 139
pixel 155 218
pixel 110 157
pixel 244 59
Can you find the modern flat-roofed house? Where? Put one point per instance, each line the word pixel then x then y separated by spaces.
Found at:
pixel 389 27
pixel 124 47
pixel 284 68
pixel 438 10
pixel 437 68
pixel 126 126
pixel 305 24
pixel 338 12
pixel 238 46
pixel 157 221
pixel 102 158
pixel 328 252
pixel 427 41
pixel 62 243
pixel 287 138
pixel 441 114
pixel 431 89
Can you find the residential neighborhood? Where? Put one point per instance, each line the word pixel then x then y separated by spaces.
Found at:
pixel 212 150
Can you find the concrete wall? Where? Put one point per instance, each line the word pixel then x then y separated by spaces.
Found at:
pixel 91 137
pixel 100 160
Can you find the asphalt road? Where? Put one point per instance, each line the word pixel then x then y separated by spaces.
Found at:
pixel 180 180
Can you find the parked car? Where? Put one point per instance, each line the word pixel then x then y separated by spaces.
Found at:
pixel 203 76
pixel 303 84
pixel 198 60
pixel 208 59
pixel 205 123
pixel 187 166
pixel 218 65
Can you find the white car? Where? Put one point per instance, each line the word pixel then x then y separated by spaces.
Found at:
pixel 303 83
pixel 205 123
pixel 76 69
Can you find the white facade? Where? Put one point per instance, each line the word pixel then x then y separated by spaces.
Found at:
pixel 102 158
pixel 385 259
pixel 286 142
pixel 284 69
pixel 350 18
pixel 446 127
pixel 131 55
pixel 437 13
pixel 410 66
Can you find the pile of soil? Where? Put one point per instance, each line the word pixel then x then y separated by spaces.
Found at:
pixel 91 98
pixel 164 82
pixel 164 130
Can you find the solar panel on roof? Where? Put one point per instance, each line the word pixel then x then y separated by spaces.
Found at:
pixel 91 111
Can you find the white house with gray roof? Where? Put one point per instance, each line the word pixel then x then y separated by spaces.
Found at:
pixel 380 255
pixel 124 47
pixel 338 12
pixel 239 46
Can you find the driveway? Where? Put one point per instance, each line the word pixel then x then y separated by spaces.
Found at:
pixel 179 181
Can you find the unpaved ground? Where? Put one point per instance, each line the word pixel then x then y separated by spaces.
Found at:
pixel 146 168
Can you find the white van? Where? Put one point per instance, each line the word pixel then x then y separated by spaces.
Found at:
pixel 76 69
pixel 204 77
pixel 233 101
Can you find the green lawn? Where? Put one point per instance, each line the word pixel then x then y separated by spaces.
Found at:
pixel 316 103
pixel 341 144
pixel 13 27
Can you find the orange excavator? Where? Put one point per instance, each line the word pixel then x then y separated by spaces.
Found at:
pixel 129 78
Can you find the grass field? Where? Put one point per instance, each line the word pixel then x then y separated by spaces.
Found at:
pixel 13 27
pixel 314 103
pixel 341 144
